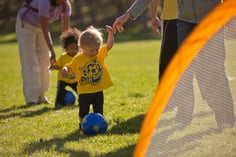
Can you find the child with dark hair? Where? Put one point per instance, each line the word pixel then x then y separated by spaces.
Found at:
pixel 69 42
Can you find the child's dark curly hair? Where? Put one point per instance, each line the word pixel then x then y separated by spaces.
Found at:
pixel 69 37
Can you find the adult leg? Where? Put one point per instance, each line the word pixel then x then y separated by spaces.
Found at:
pixel 213 81
pixel 169 44
pixel 44 62
pixel 26 37
pixel 183 93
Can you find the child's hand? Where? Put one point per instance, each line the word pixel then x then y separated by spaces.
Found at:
pixel 53 59
pixel 54 67
pixel 109 29
pixel 64 71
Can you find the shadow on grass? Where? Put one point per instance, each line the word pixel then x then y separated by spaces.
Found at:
pixel 123 152
pixel 8 41
pixel 130 126
pixel 23 111
pixel 56 144
pixel 170 121
pixel 20 111
pixel 14 108
pixel 170 141
pixel 163 146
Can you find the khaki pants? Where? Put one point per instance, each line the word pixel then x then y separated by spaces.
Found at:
pixel 34 59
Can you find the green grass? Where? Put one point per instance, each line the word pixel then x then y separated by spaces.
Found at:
pixel 42 131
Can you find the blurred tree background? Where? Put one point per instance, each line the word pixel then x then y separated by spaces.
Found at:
pixel 85 13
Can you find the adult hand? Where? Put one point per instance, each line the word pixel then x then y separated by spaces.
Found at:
pixel 118 24
pixel 53 58
pixel 155 25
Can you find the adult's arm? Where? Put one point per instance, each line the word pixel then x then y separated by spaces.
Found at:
pixel 133 12
pixel 47 35
pixel 137 8
pixel 65 16
pixel 65 23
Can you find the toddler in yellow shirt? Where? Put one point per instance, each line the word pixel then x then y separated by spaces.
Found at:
pixel 90 69
pixel 69 41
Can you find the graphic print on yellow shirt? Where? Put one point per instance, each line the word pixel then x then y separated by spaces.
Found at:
pixel 91 73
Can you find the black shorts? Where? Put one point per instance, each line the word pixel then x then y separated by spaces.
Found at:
pixel 94 99
pixel 61 90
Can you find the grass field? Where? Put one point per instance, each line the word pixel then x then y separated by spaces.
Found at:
pixel 42 131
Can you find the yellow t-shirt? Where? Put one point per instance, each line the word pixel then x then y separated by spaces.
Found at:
pixel 91 72
pixel 170 10
pixel 64 59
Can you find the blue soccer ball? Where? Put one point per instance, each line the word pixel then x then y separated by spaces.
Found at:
pixel 93 124
pixel 69 98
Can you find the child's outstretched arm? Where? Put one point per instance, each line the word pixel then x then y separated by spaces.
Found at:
pixel 110 37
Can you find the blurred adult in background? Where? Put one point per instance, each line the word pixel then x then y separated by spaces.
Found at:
pixel 174 32
pixel 169 43
pixel 210 73
pixel 35 44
